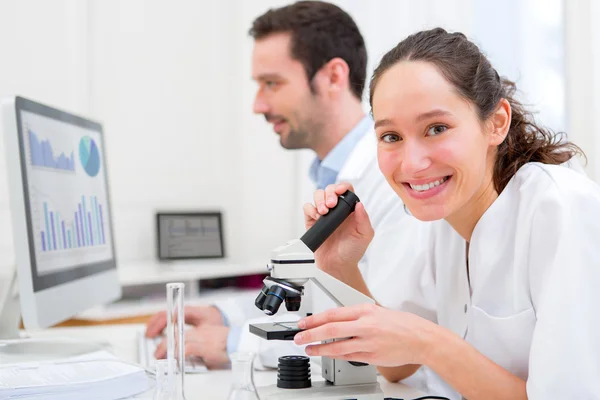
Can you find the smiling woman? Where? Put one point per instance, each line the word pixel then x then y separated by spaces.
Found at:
pixel 516 297
pixel 462 107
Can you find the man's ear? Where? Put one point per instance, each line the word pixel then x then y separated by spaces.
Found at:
pixel 334 76
pixel 499 123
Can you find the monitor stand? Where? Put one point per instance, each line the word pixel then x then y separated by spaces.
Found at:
pixel 10 315
pixel 14 348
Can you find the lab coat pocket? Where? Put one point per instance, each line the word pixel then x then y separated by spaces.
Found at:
pixel 504 340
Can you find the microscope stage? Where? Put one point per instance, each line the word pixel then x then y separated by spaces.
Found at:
pixel 275 330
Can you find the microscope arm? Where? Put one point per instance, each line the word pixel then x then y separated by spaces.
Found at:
pixel 293 264
pixel 298 273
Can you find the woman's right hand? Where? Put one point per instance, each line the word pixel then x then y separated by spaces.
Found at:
pixel 348 243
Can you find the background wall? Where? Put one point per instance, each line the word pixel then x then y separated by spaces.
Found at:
pixel 582 37
pixel 170 80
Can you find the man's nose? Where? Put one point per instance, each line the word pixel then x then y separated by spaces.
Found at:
pixel 260 106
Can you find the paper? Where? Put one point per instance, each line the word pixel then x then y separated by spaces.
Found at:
pixel 94 376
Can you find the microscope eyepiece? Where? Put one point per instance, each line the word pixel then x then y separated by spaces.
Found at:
pixel 326 224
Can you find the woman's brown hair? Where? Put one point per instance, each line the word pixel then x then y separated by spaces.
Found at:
pixel 463 65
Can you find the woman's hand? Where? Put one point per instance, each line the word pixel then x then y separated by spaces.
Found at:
pixel 346 246
pixel 376 335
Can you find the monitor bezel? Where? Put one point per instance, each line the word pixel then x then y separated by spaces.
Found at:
pixel 186 214
pixel 44 282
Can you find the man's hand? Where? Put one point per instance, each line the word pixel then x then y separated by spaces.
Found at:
pixel 194 315
pixel 208 342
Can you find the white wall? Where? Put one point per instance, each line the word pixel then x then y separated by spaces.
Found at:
pixel 583 78
pixel 171 82
pixel 525 42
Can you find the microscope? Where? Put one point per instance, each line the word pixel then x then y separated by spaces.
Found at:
pixel 291 266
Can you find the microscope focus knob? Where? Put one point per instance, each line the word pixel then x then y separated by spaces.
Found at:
pixel 293 372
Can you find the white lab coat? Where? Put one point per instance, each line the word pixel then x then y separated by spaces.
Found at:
pixel 531 304
pixel 399 244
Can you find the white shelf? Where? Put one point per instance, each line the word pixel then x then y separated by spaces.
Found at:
pixel 152 271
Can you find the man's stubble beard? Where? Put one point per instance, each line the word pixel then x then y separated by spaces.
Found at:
pixel 308 132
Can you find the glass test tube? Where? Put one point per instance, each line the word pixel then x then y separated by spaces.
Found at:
pixel 175 339
pixel 163 387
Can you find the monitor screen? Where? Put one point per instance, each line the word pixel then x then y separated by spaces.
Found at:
pixel 189 235
pixel 66 200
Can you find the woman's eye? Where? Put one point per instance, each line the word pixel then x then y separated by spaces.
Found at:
pixel 390 138
pixel 436 130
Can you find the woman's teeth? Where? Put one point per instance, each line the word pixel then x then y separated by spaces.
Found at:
pixel 427 186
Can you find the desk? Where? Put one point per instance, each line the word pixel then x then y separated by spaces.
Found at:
pixel 212 385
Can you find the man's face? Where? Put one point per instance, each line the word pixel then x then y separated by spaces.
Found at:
pixel 284 95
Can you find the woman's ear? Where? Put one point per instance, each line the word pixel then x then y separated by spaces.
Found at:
pixel 499 122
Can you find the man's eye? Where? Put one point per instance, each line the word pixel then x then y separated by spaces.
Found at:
pixel 436 130
pixel 390 138
pixel 270 84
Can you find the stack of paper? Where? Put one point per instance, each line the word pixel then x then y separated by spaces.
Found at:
pixel 94 376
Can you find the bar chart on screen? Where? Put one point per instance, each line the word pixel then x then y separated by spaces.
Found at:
pixel 68 229
pixel 82 228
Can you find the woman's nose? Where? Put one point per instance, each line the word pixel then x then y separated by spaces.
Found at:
pixel 416 158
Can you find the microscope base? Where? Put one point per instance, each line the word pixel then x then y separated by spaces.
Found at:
pixel 323 390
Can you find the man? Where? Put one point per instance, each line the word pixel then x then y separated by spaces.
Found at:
pixel 309 61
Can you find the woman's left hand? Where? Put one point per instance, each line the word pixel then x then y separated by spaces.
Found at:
pixel 377 336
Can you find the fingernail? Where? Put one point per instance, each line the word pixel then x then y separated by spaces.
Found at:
pixel 301 324
pixel 298 338
pixel 309 351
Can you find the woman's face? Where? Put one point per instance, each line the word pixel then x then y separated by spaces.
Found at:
pixel 432 146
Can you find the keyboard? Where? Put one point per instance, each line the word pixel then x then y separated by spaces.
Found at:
pixel 147 346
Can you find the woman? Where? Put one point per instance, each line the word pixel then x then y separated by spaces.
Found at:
pixel 517 319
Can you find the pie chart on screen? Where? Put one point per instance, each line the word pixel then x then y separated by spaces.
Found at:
pixel 89 156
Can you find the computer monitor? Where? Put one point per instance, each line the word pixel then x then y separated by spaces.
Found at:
pixel 189 235
pixel 60 211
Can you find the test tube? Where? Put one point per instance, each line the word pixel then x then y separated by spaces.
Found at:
pixel 161 391
pixel 175 339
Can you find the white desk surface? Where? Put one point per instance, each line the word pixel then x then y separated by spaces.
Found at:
pixel 212 385
pixel 146 272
